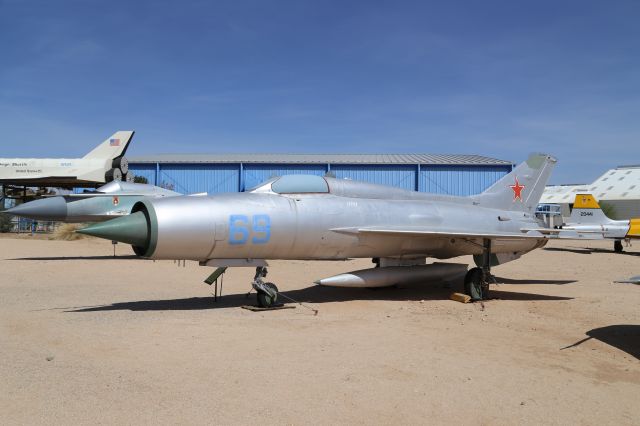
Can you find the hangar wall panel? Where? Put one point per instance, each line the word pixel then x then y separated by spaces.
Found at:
pixel 398 176
pixel 227 177
pixel 194 178
pixel 258 173
pixel 458 180
pixel 147 171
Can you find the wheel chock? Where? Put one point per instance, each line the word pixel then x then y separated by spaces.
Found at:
pixel 459 297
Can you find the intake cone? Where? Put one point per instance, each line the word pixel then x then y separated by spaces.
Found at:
pixel 131 229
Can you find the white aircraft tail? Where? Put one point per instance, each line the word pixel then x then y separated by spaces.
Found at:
pixel 113 147
pixel 521 189
pixel 586 210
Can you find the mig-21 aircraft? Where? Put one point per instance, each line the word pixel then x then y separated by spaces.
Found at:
pixel 321 218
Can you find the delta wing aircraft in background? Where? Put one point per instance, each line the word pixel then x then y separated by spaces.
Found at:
pixel 107 202
pixel 321 218
pixel 589 222
pixel 104 163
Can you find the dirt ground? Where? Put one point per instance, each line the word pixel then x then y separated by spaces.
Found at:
pixel 88 338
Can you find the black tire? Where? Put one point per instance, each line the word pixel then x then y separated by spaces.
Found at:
pixel 475 285
pixel 617 246
pixel 264 299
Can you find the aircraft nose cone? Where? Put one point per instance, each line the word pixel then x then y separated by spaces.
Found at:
pixel 131 229
pixel 53 208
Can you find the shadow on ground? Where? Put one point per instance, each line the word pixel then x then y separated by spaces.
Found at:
pixel 586 250
pixel 313 294
pixel 625 337
pixel 527 281
pixel 128 256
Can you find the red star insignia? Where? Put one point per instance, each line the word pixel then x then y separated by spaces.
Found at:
pixel 517 190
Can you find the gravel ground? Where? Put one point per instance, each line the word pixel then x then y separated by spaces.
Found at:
pixel 88 338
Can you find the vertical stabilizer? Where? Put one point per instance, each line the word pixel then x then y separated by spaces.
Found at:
pixel 586 210
pixel 521 189
pixel 113 147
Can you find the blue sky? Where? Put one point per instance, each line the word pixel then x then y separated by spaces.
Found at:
pixel 495 78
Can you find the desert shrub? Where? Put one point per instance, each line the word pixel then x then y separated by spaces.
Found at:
pixel 66 232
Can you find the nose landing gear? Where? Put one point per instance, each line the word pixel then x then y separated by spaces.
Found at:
pixel 267 292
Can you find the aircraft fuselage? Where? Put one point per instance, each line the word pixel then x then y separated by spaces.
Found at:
pixel 316 226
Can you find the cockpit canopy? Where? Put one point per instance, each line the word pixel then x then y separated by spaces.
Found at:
pixel 313 184
pixel 300 184
pixel 294 184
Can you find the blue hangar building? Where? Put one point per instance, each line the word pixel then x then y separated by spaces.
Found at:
pixel 215 173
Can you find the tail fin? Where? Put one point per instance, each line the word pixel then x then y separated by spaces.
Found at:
pixel 521 189
pixel 113 147
pixel 587 210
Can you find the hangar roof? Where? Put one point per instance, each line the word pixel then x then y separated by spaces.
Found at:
pixel 435 159
pixel 562 194
pixel 620 183
pixel 616 184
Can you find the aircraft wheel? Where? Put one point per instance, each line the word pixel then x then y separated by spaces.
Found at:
pixel 475 285
pixel 617 246
pixel 265 300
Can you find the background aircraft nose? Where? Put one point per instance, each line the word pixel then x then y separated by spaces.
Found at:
pixel 53 208
pixel 131 229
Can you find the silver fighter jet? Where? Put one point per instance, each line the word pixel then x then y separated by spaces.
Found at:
pixel 107 202
pixel 321 218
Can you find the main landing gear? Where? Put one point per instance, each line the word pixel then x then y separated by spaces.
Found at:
pixel 267 292
pixel 476 282
pixel 617 246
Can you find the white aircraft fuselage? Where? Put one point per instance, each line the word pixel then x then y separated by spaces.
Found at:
pixel 105 163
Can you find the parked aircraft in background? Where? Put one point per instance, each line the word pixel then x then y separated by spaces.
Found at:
pixel 107 202
pixel 103 164
pixel 589 222
pixel 315 218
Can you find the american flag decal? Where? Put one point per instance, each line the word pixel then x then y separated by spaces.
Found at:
pixel 114 142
